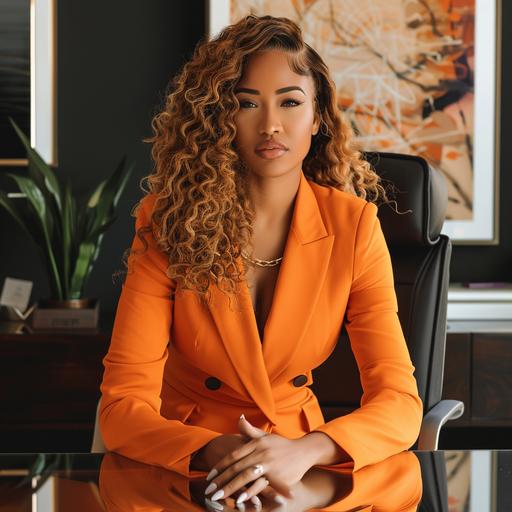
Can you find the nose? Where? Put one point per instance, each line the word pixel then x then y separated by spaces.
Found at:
pixel 270 121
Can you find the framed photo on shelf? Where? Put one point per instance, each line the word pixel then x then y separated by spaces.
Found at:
pixel 412 77
pixel 28 63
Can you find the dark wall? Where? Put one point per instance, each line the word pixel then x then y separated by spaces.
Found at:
pixel 494 263
pixel 115 59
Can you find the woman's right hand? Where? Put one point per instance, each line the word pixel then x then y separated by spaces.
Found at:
pixel 207 456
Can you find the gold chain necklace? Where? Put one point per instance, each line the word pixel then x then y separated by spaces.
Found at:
pixel 262 263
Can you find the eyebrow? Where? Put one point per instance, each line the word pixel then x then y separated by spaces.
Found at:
pixel 278 91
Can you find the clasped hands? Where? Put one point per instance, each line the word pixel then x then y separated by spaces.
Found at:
pixel 265 459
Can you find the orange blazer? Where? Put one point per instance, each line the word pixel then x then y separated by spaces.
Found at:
pixel 178 373
pixel 393 484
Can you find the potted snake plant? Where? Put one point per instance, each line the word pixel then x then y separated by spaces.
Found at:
pixel 67 234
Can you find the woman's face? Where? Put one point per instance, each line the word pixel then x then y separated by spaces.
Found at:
pixel 276 106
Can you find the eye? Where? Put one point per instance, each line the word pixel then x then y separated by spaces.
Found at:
pixel 243 103
pixel 296 103
pixel 289 102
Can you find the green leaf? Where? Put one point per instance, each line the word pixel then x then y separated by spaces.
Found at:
pixel 36 199
pixel 82 266
pixel 39 165
pixel 93 200
pixel 101 229
pixel 110 194
pixel 67 235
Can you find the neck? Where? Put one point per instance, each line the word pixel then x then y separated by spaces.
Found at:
pixel 273 199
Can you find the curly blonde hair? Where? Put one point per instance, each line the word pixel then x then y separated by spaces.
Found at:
pixel 203 217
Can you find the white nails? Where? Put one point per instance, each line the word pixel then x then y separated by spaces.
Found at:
pixel 279 499
pixel 214 504
pixel 242 417
pixel 210 488
pixel 256 502
pixel 212 474
pixel 218 495
pixel 241 498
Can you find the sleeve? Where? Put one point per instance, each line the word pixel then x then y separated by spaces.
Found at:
pixel 129 416
pixel 389 418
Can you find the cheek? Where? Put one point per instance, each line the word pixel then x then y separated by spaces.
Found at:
pixel 242 133
pixel 300 133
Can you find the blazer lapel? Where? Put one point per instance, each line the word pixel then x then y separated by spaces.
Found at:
pixel 301 277
pixel 302 273
pixel 238 330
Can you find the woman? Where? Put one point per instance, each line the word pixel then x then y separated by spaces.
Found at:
pixel 258 233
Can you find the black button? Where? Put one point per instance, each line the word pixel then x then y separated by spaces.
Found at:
pixel 212 383
pixel 300 380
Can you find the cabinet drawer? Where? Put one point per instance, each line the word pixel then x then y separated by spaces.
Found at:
pixel 492 377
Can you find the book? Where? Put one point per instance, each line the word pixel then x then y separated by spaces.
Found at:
pixel 457 292
pixel 484 310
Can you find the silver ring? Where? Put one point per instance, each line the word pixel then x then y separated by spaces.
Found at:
pixel 258 469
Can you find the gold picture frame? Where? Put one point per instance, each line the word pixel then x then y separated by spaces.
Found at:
pixel 43 84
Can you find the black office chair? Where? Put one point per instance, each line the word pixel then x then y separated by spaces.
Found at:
pixel 421 259
pixel 435 482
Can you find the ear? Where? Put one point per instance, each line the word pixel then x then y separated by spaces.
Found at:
pixel 316 124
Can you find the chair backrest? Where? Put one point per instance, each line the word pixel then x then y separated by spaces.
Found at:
pixel 421 258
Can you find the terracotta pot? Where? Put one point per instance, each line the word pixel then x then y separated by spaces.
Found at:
pixel 66 304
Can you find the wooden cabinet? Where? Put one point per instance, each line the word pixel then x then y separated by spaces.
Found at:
pixel 49 386
pixel 478 371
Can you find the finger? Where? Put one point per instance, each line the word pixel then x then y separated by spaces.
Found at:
pixel 281 488
pixel 256 487
pixel 230 459
pixel 247 428
pixel 242 478
pixel 213 506
pixel 270 494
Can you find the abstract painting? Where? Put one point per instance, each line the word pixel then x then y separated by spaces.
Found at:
pixel 413 76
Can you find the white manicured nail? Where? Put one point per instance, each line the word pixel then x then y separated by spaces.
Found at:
pixel 242 417
pixel 210 488
pixel 218 495
pixel 214 504
pixel 279 499
pixel 256 502
pixel 212 474
pixel 241 498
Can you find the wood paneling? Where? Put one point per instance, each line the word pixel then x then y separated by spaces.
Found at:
pixel 49 382
pixel 492 377
pixel 457 369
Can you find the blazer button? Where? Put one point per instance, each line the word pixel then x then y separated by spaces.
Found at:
pixel 300 380
pixel 212 383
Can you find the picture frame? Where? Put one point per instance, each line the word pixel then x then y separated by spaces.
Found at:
pixel 466 148
pixel 472 479
pixel 42 68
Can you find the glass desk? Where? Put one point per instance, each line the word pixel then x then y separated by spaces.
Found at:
pixel 451 481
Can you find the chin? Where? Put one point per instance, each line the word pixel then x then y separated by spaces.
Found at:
pixel 271 168
pixel 270 171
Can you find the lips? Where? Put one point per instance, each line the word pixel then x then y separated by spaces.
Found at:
pixel 270 145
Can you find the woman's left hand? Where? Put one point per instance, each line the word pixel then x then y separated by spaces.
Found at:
pixel 282 460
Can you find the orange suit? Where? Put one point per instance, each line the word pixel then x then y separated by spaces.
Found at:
pixel 393 484
pixel 179 373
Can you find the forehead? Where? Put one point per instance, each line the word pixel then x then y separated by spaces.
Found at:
pixel 270 70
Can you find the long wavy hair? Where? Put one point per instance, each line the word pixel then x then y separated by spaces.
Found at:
pixel 203 216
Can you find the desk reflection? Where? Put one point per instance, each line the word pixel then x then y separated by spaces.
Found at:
pixel 391 485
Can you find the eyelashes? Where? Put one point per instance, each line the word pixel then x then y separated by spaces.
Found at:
pixel 295 103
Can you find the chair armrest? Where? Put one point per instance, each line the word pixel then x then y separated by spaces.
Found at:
pixel 97 440
pixel 434 419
